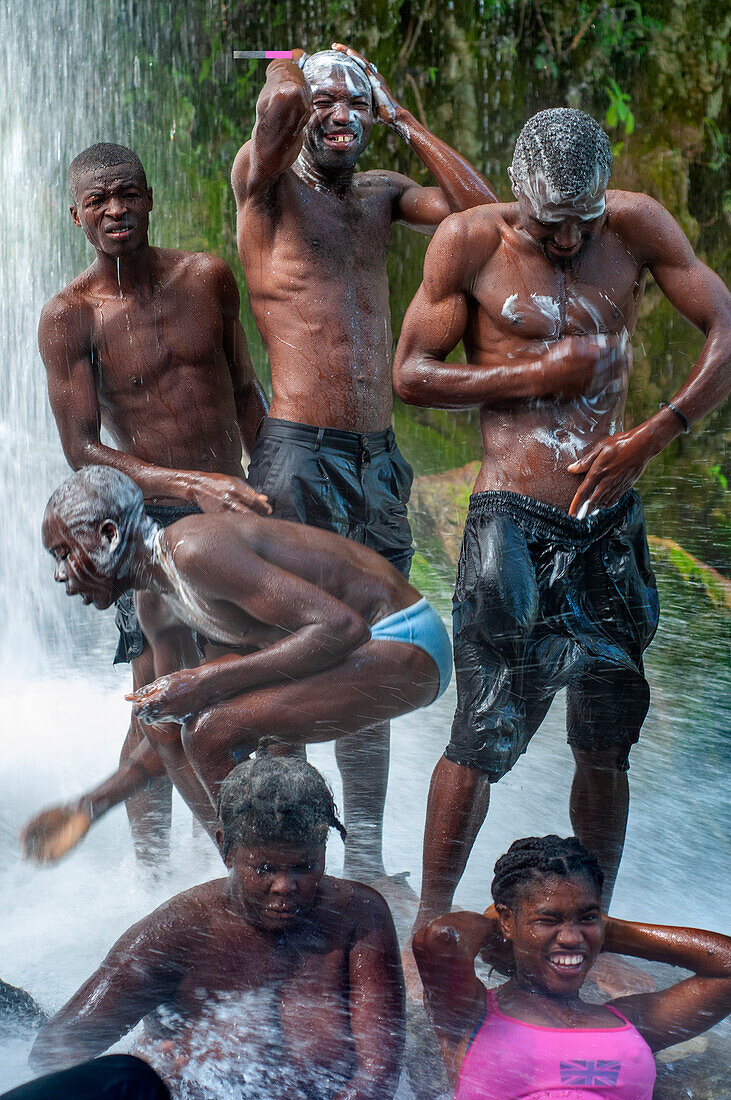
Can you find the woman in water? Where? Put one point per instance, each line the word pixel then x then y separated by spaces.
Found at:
pixel 535 1034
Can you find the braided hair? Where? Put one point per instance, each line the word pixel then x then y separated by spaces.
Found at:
pixel 535 857
pixel 273 799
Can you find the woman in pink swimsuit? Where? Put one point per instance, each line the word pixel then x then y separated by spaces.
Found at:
pixel 534 1038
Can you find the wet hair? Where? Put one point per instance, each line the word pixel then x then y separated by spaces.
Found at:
pixel 95 494
pixel 536 857
pixel 273 799
pixel 567 149
pixel 102 155
pixel 337 59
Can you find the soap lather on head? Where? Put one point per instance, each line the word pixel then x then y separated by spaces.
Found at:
pixel 562 164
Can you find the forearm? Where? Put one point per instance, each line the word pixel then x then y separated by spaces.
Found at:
pixel 251 408
pixel 427 381
pixel 154 481
pixel 708 954
pixel 133 775
pixel 304 653
pixel 463 186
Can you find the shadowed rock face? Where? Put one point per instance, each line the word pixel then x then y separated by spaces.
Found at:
pixel 18 1010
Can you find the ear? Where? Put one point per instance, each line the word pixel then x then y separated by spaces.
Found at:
pixel 507 922
pixel 75 214
pixel 149 195
pixel 219 844
pixel 513 185
pixel 110 534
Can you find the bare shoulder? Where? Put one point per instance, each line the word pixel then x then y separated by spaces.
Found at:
pixel 646 227
pixel 68 316
pixel 363 910
pixel 461 247
pixel 202 545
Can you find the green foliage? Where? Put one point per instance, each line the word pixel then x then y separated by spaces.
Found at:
pixel 618 110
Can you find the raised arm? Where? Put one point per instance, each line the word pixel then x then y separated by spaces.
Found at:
pixel 460 185
pixel 139 973
pixel 319 630
pixel 436 321
pixel 63 339
pixel 658 243
pixel 376 1002
pixel 282 109
pixel 251 405
pixel 688 1008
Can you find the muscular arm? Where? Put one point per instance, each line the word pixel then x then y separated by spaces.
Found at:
pixel 454 997
pixel 139 973
pixel 691 1006
pixel 436 321
pixel 63 339
pixel 282 109
pixel 376 1004
pixel 250 402
pixel 658 243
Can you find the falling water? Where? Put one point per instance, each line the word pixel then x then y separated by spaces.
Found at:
pixel 74 72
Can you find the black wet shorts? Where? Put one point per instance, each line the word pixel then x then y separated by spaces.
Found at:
pixel 114 1077
pixel 131 641
pixel 545 601
pixel 355 485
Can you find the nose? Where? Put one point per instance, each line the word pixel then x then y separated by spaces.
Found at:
pixel 116 207
pixel 284 884
pixel 340 113
pixel 567 235
pixel 59 572
pixel 570 934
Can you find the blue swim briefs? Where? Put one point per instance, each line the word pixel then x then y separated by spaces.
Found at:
pixel 419 625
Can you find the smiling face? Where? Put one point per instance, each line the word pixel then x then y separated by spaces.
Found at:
pixel 340 125
pixel 556 931
pixel 80 557
pixel 113 207
pixel 277 881
pixel 562 228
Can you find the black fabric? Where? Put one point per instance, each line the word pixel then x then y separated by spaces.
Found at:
pixel 355 485
pixel 131 641
pixel 114 1077
pixel 545 601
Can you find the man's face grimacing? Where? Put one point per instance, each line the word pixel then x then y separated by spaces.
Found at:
pixel 78 555
pixel 340 125
pixel 113 208
pixel 277 881
pixel 562 227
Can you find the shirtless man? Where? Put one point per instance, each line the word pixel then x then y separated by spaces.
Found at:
pixel 313 237
pixel 277 980
pixel 147 343
pixel 554 586
pixel 330 638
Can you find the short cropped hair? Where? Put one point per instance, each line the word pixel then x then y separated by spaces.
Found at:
pixel 273 799
pixel 534 857
pixel 567 148
pixel 104 154
pixel 97 493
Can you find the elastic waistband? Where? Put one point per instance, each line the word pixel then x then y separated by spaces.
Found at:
pixel 552 522
pixel 166 514
pixel 331 438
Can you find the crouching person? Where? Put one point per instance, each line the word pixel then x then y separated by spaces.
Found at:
pixel 277 978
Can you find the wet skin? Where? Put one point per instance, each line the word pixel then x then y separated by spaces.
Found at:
pixel 298 601
pixel 549 942
pixel 313 238
pixel 543 301
pixel 324 952
pixel 147 343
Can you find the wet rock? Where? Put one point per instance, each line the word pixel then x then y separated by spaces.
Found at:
pixel 18 1010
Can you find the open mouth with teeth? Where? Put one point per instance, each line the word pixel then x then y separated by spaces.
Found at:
pixel 341 139
pixel 120 232
pixel 566 963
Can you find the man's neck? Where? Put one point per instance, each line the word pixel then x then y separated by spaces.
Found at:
pixel 313 175
pixel 128 275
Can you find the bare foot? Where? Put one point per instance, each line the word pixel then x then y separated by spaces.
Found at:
pixel 616 977
pixel 412 978
pixel 53 833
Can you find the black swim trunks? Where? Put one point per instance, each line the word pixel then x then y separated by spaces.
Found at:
pixel 545 601
pixel 355 485
pixel 131 641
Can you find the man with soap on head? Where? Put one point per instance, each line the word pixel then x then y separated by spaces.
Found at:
pixel 554 587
